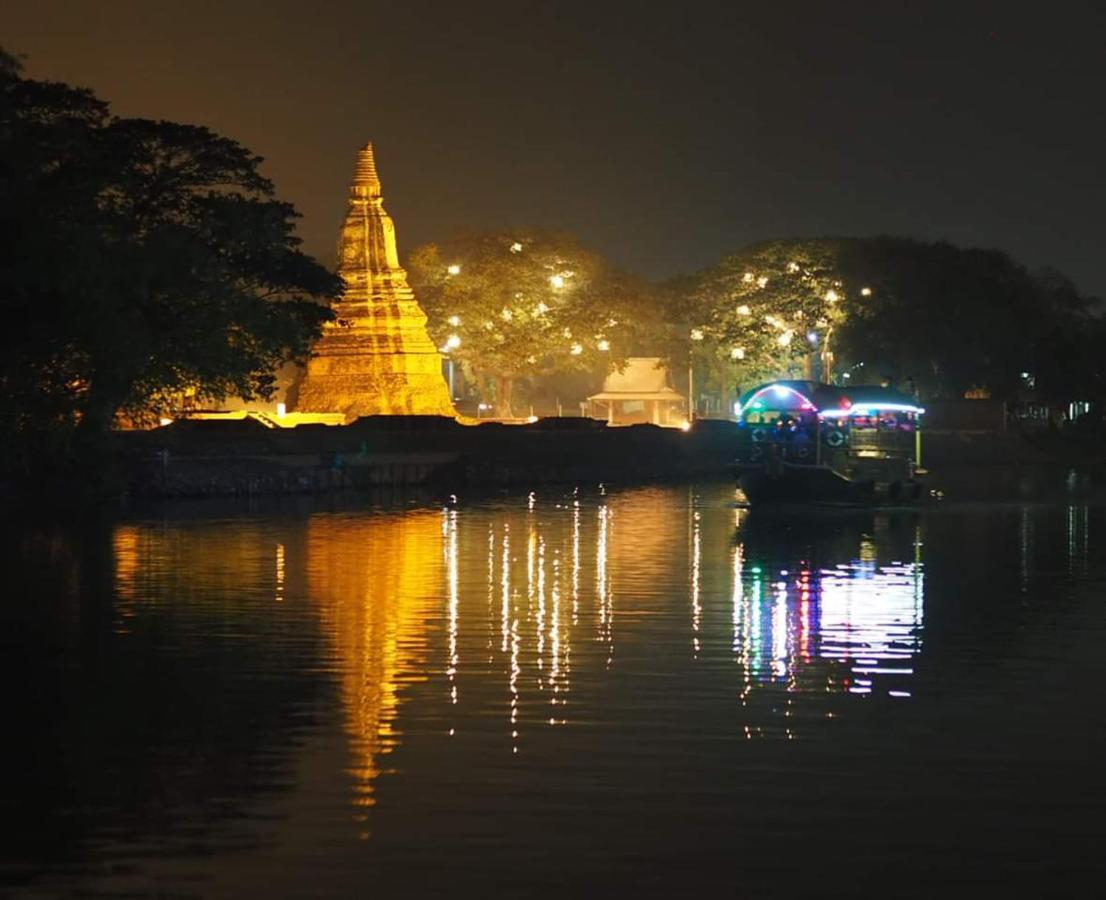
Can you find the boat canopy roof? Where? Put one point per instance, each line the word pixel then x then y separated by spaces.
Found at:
pixel 827 398
pixel 873 397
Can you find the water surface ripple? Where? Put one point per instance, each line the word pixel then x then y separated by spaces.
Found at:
pixel 647 689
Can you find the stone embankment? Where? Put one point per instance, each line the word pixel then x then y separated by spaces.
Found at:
pixel 245 458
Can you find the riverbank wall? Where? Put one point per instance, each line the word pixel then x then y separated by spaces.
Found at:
pixel 211 458
pixel 245 458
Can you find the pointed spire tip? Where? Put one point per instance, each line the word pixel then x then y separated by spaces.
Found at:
pixel 364 175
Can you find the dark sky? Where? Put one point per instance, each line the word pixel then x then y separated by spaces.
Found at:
pixel 664 137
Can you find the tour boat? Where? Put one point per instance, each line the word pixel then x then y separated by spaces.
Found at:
pixel 800 441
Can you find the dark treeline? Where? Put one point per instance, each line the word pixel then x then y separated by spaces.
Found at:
pixel 531 307
pixel 140 262
pixel 952 320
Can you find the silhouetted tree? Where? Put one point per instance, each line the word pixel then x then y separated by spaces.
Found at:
pixel 957 318
pixel 139 261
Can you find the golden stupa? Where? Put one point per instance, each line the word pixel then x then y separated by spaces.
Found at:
pixel 376 358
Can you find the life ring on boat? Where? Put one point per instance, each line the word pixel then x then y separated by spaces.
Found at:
pixel 803 452
pixel 835 437
pixel 758 435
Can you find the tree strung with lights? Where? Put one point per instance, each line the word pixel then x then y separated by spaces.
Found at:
pixel 947 319
pixel 509 305
pixel 766 311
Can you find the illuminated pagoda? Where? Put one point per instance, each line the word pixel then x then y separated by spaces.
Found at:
pixel 376 358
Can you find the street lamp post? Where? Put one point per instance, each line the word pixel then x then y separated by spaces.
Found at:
pixel 696 335
pixel 452 343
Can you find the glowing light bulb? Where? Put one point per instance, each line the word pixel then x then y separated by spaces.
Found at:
pixel 604 345
pixel 516 247
pixel 748 277
pixel 454 269
pixel 784 339
pixel 831 296
pixel 737 353
pixel 577 349
pixel 455 321
pixel 453 342
pixel 866 292
pixel 696 334
pixel 762 281
pixel 744 310
pixel 557 281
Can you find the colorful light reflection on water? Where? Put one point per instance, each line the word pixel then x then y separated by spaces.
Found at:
pixel 545 673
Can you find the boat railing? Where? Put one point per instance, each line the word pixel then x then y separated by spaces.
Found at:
pixel 881 443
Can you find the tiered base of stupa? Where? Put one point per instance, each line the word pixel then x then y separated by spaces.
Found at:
pixel 378 384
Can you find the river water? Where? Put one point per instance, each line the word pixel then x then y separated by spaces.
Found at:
pixel 645 689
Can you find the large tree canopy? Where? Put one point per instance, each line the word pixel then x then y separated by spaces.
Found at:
pixel 139 261
pixel 523 303
pixel 951 319
pixel 956 319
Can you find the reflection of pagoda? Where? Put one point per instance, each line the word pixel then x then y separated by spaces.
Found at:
pixel 376 358
pixel 376 581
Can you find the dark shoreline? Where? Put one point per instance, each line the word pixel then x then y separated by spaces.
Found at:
pixel 439 457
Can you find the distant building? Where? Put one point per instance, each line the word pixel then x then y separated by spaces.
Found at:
pixel 639 393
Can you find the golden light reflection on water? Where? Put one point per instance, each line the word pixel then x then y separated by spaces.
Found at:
pixel 502 607
pixel 696 562
pixel 603 595
pixel 375 605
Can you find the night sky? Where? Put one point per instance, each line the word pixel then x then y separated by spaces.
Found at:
pixel 664 137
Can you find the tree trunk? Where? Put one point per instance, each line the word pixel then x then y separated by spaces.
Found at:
pixel 827 357
pixel 99 410
pixel 503 387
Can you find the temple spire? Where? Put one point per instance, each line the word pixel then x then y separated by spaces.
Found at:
pixel 376 358
pixel 365 180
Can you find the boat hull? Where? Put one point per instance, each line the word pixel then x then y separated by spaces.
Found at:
pixel 786 483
